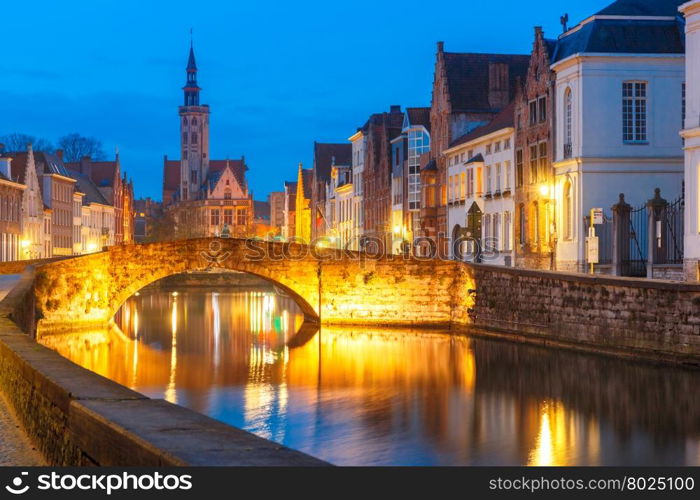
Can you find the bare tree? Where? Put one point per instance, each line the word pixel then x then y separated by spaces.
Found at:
pixel 17 143
pixel 75 147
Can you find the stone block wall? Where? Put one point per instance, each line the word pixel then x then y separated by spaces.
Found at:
pixel 651 319
pixel 668 272
pixel 400 292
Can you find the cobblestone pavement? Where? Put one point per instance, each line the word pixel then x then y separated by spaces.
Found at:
pixel 15 447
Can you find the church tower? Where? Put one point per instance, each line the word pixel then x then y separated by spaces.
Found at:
pixel 194 136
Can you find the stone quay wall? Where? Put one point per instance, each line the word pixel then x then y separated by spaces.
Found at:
pixel 638 318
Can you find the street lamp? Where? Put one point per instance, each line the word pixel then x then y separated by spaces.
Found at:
pixel 549 192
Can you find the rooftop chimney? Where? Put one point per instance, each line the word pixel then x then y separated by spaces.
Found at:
pixel 59 154
pixel 395 108
pixel 440 46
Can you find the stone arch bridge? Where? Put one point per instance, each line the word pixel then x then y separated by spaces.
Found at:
pixel 331 286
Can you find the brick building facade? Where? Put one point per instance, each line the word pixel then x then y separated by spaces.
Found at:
pixel 469 90
pixel 534 122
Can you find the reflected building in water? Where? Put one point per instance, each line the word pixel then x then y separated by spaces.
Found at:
pixel 362 397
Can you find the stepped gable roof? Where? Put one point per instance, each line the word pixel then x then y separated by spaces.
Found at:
pixel 468 78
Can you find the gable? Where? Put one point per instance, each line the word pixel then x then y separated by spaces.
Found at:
pixel 226 183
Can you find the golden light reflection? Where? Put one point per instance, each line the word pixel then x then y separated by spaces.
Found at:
pixel 478 402
pixel 171 391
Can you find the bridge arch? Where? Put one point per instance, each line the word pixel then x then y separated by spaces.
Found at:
pixel 91 288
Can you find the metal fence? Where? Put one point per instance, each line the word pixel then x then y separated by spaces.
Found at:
pixel 668 245
pixel 636 262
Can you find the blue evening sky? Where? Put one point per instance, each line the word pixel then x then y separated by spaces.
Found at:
pixel 277 75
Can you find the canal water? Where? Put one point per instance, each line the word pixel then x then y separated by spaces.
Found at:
pixel 391 397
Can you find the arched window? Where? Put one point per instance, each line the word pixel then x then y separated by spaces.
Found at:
pixel 194 122
pixel 568 124
pixel 568 211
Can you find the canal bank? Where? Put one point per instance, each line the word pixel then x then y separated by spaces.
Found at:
pixel 637 319
pixel 76 417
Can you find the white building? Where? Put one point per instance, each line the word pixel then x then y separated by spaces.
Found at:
pixel 359 142
pixel 480 182
pixel 618 100
pixel 691 134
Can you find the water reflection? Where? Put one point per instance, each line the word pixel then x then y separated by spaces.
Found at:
pixel 354 396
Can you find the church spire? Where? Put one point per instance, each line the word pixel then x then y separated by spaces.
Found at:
pixel 191 88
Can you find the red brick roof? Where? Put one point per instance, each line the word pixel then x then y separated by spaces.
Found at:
pixel 323 158
pixel 238 168
pixel 502 120
pixel 171 175
pixel 419 116
pixel 468 78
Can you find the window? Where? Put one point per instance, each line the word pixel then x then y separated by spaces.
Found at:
pixel 498 177
pixel 519 168
pixel 533 112
pixel 497 231
pixel 535 223
pixel 193 176
pixel 470 154
pixel 184 137
pixel 488 149
pixel 488 180
pixel 470 183
pixel 227 194
pixel 462 185
pixel 241 217
pixel 487 227
pixel 568 212
pixel 506 231
pixel 228 216
pixel 506 144
pixel 508 174
pixel 542 109
pixel 568 123
pixel 542 161
pixel 533 164
pixel 634 112
pixel 194 137
pixel 215 217
pixel 497 147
